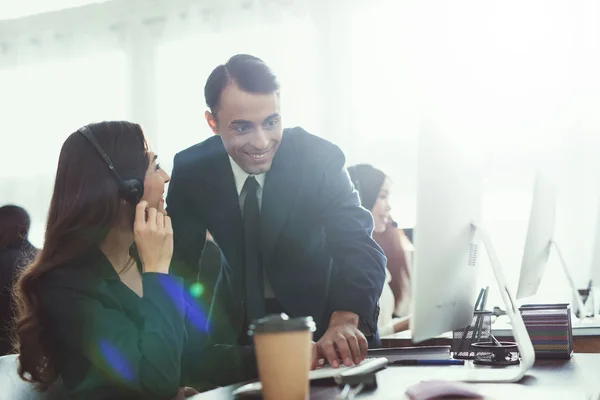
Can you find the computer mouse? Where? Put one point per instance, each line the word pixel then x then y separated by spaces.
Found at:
pixel 253 389
pixel 436 389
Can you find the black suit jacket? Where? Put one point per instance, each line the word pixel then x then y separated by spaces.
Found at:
pixel 210 267
pixel 109 343
pixel 316 241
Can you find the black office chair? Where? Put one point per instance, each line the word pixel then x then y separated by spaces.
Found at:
pixel 14 388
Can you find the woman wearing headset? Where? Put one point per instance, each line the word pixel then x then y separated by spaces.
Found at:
pixel 373 187
pixel 97 308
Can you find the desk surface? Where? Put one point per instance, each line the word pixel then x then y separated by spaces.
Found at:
pixel 589 327
pixel 585 327
pixel 575 379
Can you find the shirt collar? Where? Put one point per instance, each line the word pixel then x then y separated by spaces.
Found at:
pixel 240 176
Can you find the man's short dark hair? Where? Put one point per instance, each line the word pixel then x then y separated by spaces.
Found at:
pixel 249 73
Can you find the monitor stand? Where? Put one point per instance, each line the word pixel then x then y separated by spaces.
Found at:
pixel 575 293
pixel 519 330
pixel 592 297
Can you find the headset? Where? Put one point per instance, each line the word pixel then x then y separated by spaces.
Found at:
pixel 131 190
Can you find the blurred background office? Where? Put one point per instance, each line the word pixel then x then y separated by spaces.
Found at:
pixel 361 73
pixel 15 253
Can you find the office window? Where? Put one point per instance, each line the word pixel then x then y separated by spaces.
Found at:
pixel 43 104
pixel 525 93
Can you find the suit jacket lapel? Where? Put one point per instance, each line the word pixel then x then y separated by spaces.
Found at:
pixel 223 215
pixel 281 187
pixel 224 221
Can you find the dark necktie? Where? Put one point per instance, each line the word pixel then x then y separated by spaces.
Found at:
pixel 255 306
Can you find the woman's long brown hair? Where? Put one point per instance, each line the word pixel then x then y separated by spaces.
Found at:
pixel 85 205
pixel 391 243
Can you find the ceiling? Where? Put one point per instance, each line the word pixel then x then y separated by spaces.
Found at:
pixel 12 9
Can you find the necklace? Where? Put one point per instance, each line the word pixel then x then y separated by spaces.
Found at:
pixel 127 266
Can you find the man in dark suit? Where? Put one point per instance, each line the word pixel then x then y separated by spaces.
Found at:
pixel 281 207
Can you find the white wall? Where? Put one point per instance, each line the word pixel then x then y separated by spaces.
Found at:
pixel 524 73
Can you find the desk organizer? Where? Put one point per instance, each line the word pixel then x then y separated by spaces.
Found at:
pixel 478 331
pixel 549 327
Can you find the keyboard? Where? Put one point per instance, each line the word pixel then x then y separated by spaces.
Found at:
pixel 366 366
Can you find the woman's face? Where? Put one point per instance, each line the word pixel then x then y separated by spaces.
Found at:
pixel 381 208
pixel 154 184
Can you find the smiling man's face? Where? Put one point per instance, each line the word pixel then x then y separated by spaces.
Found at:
pixel 250 127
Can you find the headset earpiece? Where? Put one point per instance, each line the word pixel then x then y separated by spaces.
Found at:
pixel 132 191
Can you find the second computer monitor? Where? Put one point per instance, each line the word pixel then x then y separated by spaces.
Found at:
pixel 595 261
pixel 448 202
pixel 540 234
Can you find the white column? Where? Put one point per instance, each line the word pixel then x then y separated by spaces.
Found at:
pixel 333 104
pixel 141 41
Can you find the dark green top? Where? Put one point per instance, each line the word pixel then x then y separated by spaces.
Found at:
pixel 110 343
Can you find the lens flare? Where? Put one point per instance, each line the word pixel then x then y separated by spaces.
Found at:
pixel 196 290
pixel 116 361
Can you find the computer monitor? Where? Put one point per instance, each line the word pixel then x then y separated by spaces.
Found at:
pixel 444 275
pixel 540 234
pixel 447 244
pixel 595 266
pixel 540 242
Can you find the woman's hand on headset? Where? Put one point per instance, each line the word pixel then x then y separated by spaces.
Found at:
pixel 153 235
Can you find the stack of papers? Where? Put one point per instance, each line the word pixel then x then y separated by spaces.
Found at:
pixel 549 327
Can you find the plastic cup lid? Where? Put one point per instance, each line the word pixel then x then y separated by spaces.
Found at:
pixel 281 323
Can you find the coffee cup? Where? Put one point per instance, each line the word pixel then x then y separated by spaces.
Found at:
pixel 283 353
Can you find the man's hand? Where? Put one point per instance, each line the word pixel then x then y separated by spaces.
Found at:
pixel 343 343
pixel 316 359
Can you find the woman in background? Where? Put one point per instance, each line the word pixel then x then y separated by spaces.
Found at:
pixel 15 252
pixel 374 187
pixel 97 307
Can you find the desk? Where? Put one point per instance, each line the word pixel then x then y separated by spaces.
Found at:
pixel 586 336
pixel 575 379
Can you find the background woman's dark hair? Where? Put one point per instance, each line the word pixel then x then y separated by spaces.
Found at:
pixel 367 181
pixel 84 206
pixel 14 226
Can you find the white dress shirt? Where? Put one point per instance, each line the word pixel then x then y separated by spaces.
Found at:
pixel 240 176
